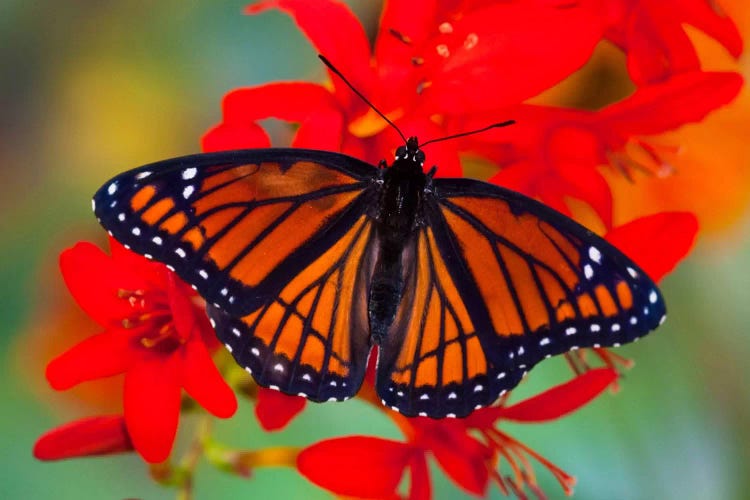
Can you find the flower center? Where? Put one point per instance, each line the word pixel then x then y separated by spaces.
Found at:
pixel 152 316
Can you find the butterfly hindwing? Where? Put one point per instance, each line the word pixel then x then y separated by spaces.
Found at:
pixel 234 224
pixel 434 361
pixel 311 338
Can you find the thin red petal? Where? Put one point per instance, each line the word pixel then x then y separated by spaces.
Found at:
pixel 203 381
pixel 99 356
pixel 685 98
pixel 420 488
pixel 562 399
pixel 103 435
pixel 360 466
pixel 672 233
pixel 275 410
pixel 335 32
pixel 290 101
pixel 152 406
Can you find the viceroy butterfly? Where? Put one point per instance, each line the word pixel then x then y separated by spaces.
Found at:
pixel 309 258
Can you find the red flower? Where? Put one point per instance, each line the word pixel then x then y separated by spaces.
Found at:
pixel 85 437
pixel 673 233
pixel 652 34
pixel 553 153
pixel 417 73
pixel 371 467
pixel 154 332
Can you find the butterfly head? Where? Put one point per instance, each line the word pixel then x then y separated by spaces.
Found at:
pixel 411 152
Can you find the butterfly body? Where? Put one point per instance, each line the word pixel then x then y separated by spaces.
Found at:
pixel 308 259
pixel 401 199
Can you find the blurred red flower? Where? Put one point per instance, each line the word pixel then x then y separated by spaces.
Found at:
pixel 103 435
pixel 155 331
pixel 553 153
pixel 371 467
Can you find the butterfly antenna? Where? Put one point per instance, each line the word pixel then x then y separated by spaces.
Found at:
pixel 343 78
pixel 471 132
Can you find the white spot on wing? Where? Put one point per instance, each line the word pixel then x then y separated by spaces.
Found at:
pixel 136 231
pixel 229 347
pixel 653 297
pixel 278 367
pixel 570 330
pixel 588 271
pixel 255 351
pixel 112 188
pixel 180 252
pixel 544 341
pixel 157 240
pixel 188 191
pixel 203 274
pixel 189 173
pixel 632 272
pixel 595 255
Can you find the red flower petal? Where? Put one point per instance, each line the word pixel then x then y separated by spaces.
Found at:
pixel 321 130
pixel 94 279
pixel 225 137
pixel 152 406
pixel 99 356
pixel 503 53
pixel 653 34
pixel 462 457
pixel 685 98
pixel 275 410
pixel 361 466
pixel 560 400
pixel 336 33
pixel 286 101
pixel 103 435
pixel 672 233
pixel 420 488
pixel 203 381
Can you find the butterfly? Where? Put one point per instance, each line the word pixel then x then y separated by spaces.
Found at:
pixel 311 259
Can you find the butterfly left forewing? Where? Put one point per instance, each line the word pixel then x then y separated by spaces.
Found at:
pixel 235 224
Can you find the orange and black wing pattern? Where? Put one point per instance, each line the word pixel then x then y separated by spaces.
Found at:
pixel 237 224
pixel 312 338
pixel 502 282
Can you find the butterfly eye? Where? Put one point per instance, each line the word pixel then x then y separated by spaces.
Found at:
pixel 400 152
pixel 420 157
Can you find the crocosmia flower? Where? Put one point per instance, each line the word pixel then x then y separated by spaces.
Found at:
pixel 155 331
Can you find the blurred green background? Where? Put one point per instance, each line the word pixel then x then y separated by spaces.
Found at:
pixel 92 88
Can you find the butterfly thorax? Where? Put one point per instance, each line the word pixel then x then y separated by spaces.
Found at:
pixel 400 204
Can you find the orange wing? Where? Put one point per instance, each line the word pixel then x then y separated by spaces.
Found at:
pixel 237 224
pixel 499 283
pixel 311 339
